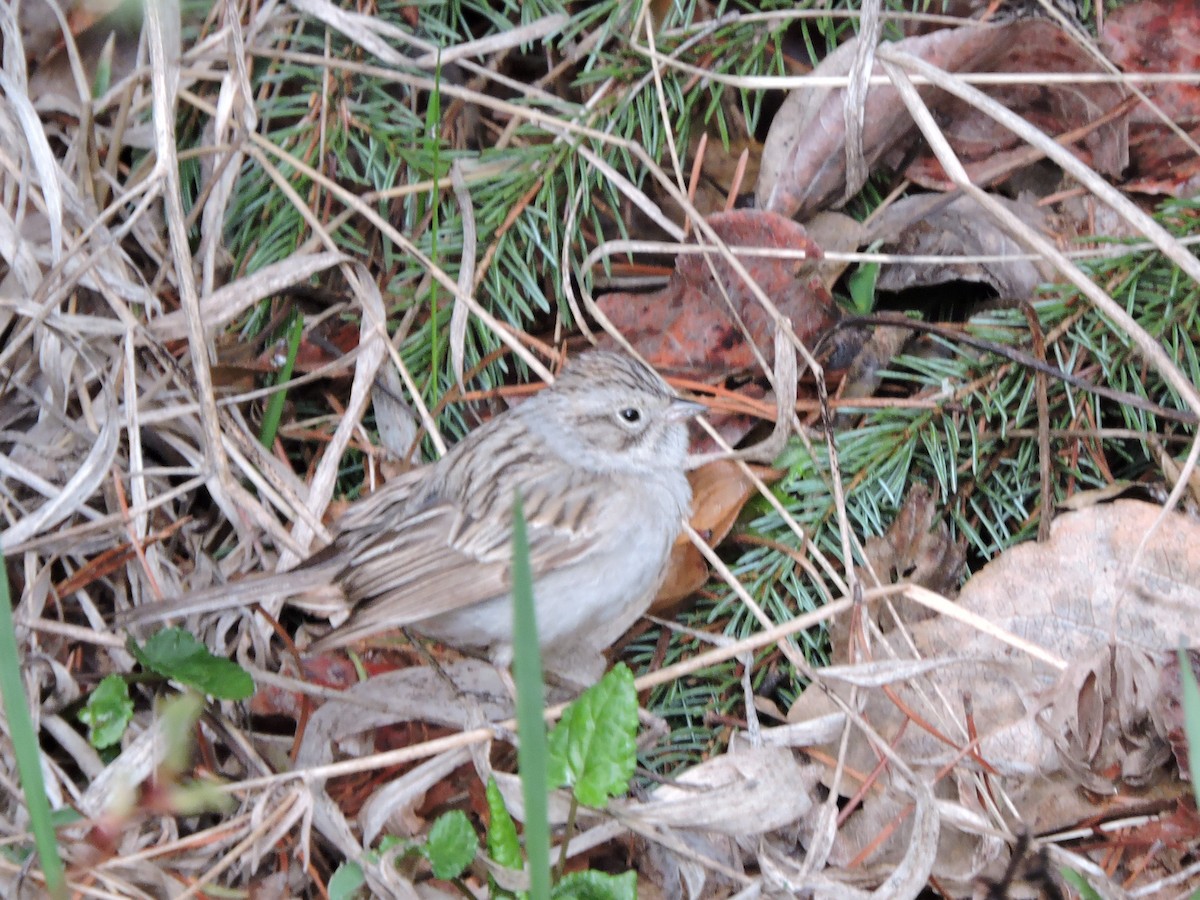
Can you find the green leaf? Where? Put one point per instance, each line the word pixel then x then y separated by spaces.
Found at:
pixel 174 653
pixel 108 712
pixel 345 882
pixel 593 746
pixel 451 844
pixel 347 878
pixel 1077 881
pixel 503 844
pixel 1191 717
pixel 593 885
pixel 861 284
pixel 103 78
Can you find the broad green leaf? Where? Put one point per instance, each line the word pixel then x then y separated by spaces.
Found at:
pixel 593 885
pixel 862 287
pixel 107 712
pixel 593 748
pixel 175 653
pixel 504 846
pixel 451 844
pixel 345 882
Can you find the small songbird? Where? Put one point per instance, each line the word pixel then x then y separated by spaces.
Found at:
pixel 598 459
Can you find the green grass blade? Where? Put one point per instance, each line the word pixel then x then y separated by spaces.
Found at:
pixel 532 755
pixel 26 748
pixel 274 410
pixel 1191 717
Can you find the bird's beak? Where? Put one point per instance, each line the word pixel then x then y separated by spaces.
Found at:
pixel 681 409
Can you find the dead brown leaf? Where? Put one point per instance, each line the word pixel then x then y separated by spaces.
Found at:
pixel 719 491
pixel 695 324
pixel 934 225
pixel 803 165
pixel 1159 36
pixel 917 549
pixel 1055 739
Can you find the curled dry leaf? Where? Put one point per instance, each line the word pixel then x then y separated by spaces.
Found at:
pixel 719 491
pixel 934 225
pixel 744 792
pixel 692 325
pixel 917 549
pixel 835 232
pixel 666 874
pixel 870 363
pixel 458 694
pixel 803 165
pixel 1092 596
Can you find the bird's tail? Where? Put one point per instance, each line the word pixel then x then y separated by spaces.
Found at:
pixel 310 588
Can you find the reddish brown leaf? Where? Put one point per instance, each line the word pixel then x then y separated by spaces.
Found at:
pixel 688 326
pixel 1037 45
pixel 1159 36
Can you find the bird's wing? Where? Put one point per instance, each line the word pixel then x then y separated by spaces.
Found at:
pixel 311 586
pixel 443 558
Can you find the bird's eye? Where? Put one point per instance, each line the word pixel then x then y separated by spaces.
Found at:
pixel 631 415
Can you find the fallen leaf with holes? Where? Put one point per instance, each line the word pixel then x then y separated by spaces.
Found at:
pixel 1159 36
pixel 1085 740
pixel 719 491
pixel 693 326
pixel 803 166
